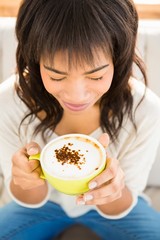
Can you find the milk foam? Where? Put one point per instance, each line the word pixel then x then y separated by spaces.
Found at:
pixel 90 158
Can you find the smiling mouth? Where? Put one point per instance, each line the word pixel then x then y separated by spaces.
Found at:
pixel 76 107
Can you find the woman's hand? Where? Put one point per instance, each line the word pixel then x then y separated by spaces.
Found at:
pixel 107 186
pixel 25 173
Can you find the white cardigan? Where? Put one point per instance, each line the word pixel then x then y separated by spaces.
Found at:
pixel 135 151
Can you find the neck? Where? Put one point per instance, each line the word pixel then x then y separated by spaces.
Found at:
pixel 84 123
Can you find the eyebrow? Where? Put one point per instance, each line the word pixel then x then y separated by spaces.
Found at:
pixel 85 73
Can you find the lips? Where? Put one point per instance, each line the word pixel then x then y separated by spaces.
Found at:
pixel 76 107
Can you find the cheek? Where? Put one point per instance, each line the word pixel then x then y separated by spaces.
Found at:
pixel 107 81
pixel 104 85
pixel 49 85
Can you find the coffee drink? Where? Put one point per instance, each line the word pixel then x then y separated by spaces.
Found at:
pixel 72 156
pixel 71 161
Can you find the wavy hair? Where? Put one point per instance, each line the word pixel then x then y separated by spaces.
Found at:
pixel 44 27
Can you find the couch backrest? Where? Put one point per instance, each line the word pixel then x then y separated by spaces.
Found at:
pixel 7 47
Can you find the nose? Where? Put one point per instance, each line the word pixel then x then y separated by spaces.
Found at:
pixel 77 92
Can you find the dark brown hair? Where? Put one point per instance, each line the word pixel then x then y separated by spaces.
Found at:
pixel 45 26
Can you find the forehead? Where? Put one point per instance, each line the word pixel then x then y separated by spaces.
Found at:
pixel 63 60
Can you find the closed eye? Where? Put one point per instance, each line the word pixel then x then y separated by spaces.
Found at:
pixel 57 79
pixel 96 79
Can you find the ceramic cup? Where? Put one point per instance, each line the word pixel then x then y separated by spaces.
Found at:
pixel 71 161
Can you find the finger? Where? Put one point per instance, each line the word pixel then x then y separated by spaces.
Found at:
pixel 98 201
pixel 104 140
pixel 105 200
pixel 109 173
pixel 32 148
pixel 106 190
pixel 27 184
pixel 21 161
pixel 33 165
pixel 35 175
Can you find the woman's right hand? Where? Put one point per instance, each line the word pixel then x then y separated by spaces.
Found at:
pixel 25 173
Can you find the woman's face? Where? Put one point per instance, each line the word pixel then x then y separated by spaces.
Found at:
pixel 78 87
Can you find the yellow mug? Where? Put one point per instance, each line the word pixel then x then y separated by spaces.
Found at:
pixel 71 161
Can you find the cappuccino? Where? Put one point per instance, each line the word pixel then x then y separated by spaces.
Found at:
pixel 73 156
pixel 71 161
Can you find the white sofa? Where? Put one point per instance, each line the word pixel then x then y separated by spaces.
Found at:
pixel 149 48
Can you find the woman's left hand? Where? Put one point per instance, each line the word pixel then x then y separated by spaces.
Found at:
pixel 107 186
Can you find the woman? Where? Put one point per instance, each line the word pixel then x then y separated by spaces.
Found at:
pixel 74 75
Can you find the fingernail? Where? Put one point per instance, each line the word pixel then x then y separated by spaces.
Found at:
pixel 92 185
pixel 81 202
pixel 88 197
pixel 33 150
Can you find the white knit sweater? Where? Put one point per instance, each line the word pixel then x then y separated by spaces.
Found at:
pixel 135 151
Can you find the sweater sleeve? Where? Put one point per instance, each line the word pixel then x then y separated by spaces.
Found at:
pixel 12 111
pixel 136 150
pixel 138 156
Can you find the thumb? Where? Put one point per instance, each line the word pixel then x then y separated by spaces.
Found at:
pixel 33 148
pixel 104 140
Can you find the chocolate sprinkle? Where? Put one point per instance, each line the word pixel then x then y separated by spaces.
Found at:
pixel 69 156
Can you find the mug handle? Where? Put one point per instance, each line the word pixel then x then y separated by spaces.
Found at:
pixel 37 157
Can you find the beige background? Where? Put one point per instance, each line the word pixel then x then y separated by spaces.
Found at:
pixel 147 9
